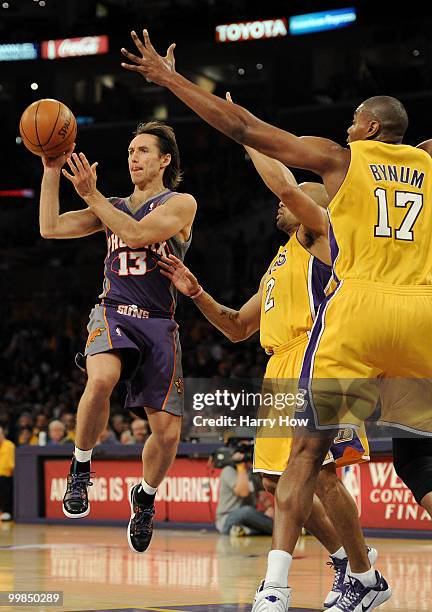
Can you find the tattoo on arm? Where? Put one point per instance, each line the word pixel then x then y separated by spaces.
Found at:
pixel 229 314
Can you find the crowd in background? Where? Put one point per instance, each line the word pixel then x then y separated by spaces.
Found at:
pixel 40 386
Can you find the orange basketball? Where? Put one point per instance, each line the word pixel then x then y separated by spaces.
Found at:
pixel 48 127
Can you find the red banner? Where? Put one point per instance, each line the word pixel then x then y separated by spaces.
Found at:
pixel 74 47
pixel 188 493
pixel 383 500
pixel 16 193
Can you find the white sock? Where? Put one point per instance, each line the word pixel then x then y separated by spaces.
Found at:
pixel 366 578
pixel 340 554
pixel 147 488
pixel 278 565
pixel 81 455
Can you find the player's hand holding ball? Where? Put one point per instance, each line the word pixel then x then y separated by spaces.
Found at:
pixel 48 128
pixel 59 161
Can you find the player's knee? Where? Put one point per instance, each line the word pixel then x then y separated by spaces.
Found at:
pixel 100 386
pixel 284 499
pixel 269 483
pixel 168 437
pixel 307 450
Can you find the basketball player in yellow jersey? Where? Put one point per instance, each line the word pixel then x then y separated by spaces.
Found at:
pixel 378 321
pixel 283 310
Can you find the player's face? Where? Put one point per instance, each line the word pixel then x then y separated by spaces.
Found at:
pixel 285 220
pixel 359 129
pixel 144 159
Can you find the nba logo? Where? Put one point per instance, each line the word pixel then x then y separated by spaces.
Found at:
pixel 352 480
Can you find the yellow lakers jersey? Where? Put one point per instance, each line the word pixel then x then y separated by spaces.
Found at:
pixel 294 287
pixel 381 217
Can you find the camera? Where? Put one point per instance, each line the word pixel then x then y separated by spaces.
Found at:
pixel 222 456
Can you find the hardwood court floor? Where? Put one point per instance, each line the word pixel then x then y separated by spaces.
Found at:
pixel 185 570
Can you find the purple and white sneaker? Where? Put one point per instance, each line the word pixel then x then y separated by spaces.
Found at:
pixel 360 598
pixel 271 599
pixel 340 567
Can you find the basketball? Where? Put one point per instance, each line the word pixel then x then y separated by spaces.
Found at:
pixel 48 127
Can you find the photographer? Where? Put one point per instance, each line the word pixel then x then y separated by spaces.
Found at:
pixel 236 513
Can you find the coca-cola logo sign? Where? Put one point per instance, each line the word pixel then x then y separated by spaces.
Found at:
pixel 74 47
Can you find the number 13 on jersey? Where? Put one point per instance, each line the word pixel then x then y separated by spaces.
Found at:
pixel 132 263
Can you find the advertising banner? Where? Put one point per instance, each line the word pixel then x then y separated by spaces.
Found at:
pixel 74 47
pixel 383 500
pixel 188 493
pixel 251 30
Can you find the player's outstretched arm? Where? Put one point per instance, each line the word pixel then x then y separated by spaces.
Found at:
pixel 307 212
pixel 281 181
pixel 236 325
pixel 75 224
pixel 274 173
pixel 317 154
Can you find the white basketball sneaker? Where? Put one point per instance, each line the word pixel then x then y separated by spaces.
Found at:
pixel 271 599
pixel 340 567
pixel 360 598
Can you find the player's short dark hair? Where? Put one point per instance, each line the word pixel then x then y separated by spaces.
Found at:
pixel 391 114
pixel 167 144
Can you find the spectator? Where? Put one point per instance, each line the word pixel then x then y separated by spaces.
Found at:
pixel 7 465
pixel 236 512
pixel 57 433
pixel 26 436
pixel 107 437
pixel 140 431
pixel 119 424
pixel 126 437
pixel 68 420
pixel 41 423
pixel 25 420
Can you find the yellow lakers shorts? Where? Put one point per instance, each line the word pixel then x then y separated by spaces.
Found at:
pixel 273 444
pixel 371 341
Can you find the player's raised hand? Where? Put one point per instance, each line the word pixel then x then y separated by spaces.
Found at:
pixel 83 176
pixel 180 276
pixel 151 65
pixel 59 161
